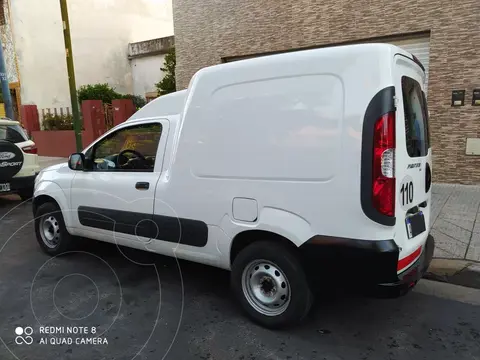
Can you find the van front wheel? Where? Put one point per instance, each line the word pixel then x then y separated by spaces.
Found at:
pixel 269 281
pixel 50 230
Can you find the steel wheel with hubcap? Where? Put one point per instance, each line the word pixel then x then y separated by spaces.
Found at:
pixel 50 230
pixel 266 287
pixel 268 279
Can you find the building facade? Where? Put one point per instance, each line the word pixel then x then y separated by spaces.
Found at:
pixel 146 59
pixel 442 34
pixel 101 31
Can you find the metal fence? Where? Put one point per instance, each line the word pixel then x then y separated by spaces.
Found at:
pixel 55 118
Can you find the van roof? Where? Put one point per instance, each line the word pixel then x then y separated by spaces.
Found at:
pixel 324 60
pixel 333 52
pixel 170 104
pixel 173 103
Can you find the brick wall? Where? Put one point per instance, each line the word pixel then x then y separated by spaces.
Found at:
pixel 207 31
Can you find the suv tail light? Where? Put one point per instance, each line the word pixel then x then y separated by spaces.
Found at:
pixel 383 185
pixel 31 149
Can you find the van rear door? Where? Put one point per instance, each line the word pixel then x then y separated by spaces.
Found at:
pixel 413 161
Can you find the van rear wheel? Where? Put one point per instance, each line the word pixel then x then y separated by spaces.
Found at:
pixel 269 281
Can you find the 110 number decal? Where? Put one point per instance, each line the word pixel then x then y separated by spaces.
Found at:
pixel 407 193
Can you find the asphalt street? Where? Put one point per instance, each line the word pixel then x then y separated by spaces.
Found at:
pixel 124 304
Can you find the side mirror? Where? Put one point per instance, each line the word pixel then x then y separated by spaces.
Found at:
pixel 76 161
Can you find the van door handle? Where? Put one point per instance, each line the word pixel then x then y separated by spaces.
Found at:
pixel 142 185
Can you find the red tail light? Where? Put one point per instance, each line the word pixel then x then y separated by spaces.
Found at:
pixel 32 149
pixel 383 185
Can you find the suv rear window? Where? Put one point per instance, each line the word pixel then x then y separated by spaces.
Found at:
pixel 416 118
pixel 12 133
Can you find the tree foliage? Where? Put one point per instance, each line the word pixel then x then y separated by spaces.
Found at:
pixel 107 94
pixel 167 84
pixel 138 101
pixel 103 92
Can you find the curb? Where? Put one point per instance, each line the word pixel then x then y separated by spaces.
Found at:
pixel 458 272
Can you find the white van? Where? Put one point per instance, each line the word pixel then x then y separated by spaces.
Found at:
pixel 287 170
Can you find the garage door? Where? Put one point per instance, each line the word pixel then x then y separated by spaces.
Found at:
pixel 420 47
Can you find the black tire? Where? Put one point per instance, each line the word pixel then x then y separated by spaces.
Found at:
pixel 26 194
pixel 49 211
pixel 285 259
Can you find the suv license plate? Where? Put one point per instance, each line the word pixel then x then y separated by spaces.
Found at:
pixel 415 224
pixel 4 187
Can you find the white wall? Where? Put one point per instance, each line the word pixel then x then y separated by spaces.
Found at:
pixel 146 73
pixel 101 31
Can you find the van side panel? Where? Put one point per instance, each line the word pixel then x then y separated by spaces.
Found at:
pixel 285 132
pixel 282 130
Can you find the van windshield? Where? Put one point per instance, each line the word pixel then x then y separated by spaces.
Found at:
pixel 416 118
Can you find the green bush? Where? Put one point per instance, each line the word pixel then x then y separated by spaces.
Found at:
pixel 102 92
pixel 106 93
pixel 58 122
pixel 138 101
pixel 167 84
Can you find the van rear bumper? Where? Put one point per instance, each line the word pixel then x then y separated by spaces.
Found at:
pixel 408 278
pixel 362 263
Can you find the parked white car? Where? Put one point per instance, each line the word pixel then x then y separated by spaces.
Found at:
pixel 287 170
pixel 18 160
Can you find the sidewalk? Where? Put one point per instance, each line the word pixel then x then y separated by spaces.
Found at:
pixel 456 221
pixel 455 218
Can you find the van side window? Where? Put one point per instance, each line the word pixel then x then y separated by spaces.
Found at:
pixel 416 118
pixel 129 149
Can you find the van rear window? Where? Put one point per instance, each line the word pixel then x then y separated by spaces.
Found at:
pixel 416 118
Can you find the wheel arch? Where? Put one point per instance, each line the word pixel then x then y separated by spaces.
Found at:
pixel 248 237
pixel 40 200
pixel 48 191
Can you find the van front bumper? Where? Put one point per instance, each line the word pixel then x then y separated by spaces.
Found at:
pixel 363 263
